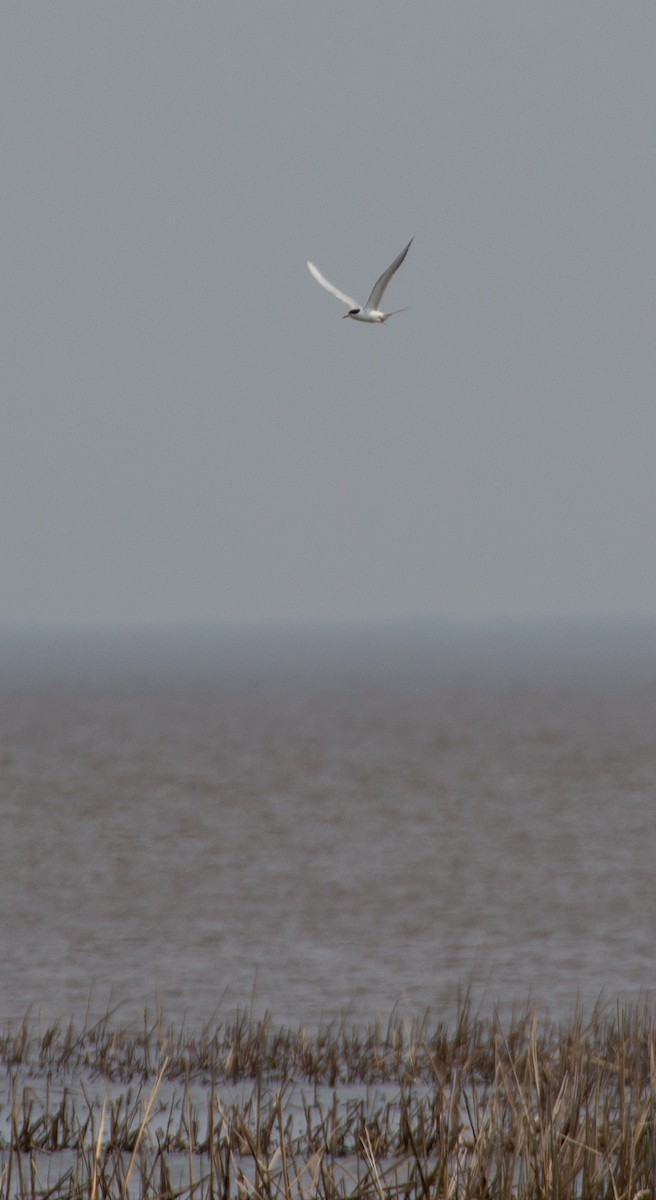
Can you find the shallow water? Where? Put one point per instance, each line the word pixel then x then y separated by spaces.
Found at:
pixel 315 821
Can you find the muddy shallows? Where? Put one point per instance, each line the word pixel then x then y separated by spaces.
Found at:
pixel 485 1108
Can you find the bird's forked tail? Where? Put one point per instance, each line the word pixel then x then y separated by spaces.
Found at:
pixel 394 312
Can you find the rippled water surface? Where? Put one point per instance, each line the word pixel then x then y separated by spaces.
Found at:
pixel 326 820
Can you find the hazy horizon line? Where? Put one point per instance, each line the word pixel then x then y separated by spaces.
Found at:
pixel 207 624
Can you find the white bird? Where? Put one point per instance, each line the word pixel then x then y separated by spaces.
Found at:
pixel 370 311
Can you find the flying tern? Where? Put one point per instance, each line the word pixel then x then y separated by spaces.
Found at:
pixel 370 311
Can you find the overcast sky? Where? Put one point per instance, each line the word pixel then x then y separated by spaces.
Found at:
pixel 189 430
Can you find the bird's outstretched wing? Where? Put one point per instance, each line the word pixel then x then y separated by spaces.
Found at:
pixel 380 284
pixel 330 287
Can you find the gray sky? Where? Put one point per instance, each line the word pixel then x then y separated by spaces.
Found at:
pixel 189 430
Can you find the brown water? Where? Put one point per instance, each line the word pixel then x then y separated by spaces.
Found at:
pixel 327 820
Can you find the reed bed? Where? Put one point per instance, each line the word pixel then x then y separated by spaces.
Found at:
pixel 484 1110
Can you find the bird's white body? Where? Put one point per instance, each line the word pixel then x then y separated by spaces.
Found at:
pixel 369 312
pixel 372 315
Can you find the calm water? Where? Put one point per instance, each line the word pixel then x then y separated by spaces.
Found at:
pixel 323 820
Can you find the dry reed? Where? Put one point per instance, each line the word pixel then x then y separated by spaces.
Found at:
pixel 525 1110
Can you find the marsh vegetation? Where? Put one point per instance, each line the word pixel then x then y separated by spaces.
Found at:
pixel 407 1109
